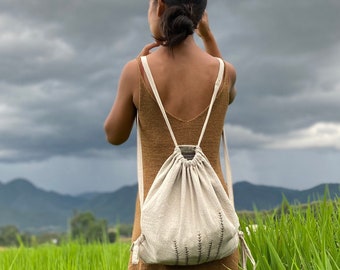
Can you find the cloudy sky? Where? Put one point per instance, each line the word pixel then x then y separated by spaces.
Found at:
pixel 59 67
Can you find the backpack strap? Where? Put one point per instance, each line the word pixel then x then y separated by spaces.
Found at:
pixel 160 104
pixel 245 251
pixel 228 175
pixel 216 88
pixel 159 101
pixel 140 176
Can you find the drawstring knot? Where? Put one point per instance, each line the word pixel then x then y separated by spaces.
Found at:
pixel 135 249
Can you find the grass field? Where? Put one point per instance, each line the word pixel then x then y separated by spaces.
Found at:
pixel 299 238
pixel 69 256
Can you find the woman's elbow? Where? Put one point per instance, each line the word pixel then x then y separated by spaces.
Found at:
pixel 112 137
pixel 114 141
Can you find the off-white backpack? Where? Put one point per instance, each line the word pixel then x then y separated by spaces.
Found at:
pixel 187 217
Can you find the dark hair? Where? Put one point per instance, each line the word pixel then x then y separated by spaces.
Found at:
pixel 179 20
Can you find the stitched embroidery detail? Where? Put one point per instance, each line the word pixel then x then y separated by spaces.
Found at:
pixel 209 251
pixel 199 248
pixel 221 234
pixel 177 252
pixel 186 256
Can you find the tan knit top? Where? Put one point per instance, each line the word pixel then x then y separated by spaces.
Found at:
pixel 157 144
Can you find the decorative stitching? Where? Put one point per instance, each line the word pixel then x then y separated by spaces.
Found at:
pixel 221 235
pixel 209 251
pixel 199 248
pixel 176 251
pixel 186 256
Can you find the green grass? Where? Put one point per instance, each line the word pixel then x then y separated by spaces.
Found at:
pixel 300 238
pixel 292 237
pixel 70 256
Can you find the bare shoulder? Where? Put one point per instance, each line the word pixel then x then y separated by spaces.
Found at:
pixel 130 71
pixel 129 79
pixel 231 71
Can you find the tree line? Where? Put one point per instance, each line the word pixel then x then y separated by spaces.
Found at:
pixel 82 226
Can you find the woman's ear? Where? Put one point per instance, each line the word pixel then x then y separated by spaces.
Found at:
pixel 160 8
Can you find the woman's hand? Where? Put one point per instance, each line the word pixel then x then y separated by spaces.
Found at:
pixel 203 29
pixel 147 49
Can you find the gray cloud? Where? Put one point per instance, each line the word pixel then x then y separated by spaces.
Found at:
pixel 281 50
pixel 60 63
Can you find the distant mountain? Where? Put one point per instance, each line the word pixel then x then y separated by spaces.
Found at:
pixel 116 207
pixel 33 209
pixel 28 207
pixel 248 196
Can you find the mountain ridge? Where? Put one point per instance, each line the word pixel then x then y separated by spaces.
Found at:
pixel 34 209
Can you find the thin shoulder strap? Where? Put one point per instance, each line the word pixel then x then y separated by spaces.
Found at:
pixel 229 178
pixel 160 104
pixel 217 87
pixel 140 170
pixel 159 101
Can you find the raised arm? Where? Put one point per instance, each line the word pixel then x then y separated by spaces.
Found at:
pixel 209 41
pixel 210 44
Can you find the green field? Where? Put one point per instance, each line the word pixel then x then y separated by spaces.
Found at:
pixel 301 238
pixel 71 256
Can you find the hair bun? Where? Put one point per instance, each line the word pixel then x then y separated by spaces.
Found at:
pixel 177 25
pixel 180 19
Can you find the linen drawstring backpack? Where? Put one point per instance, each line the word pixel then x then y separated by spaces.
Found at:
pixel 187 217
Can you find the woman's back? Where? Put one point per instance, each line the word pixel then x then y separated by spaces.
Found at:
pixel 186 105
pixel 186 81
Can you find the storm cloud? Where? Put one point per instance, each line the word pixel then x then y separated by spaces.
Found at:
pixel 60 63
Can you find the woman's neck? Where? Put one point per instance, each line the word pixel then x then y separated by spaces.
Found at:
pixel 187 47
